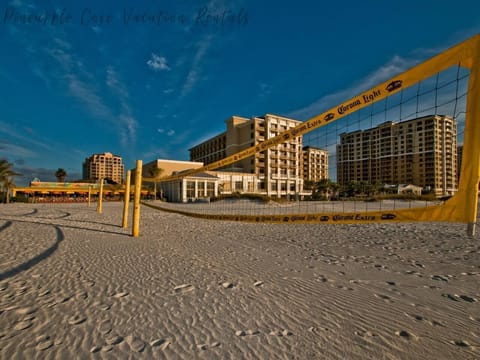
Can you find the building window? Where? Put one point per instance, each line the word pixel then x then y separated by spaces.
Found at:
pixel 190 189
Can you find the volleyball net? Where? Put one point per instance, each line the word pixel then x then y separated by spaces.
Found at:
pixel 407 149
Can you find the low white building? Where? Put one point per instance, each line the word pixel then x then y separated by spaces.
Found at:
pixel 190 188
pixel 206 185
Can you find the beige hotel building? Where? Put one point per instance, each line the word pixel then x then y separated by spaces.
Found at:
pixel 104 166
pixel 315 163
pixel 421 152
pixel 278 171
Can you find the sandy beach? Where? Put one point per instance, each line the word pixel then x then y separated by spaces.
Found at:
pixel 75 285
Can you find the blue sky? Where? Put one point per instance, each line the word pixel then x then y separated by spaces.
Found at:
pixel 150 79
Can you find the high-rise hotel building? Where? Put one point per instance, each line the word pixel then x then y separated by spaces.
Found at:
pixel 315 164
pixel 106 166
pixel 278 170
pixel 421 152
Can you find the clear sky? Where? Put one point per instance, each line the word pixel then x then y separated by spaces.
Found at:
pixel 150 79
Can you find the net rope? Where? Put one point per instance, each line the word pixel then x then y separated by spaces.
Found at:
pixel 442 94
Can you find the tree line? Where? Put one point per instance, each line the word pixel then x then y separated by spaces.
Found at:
pixel 326 189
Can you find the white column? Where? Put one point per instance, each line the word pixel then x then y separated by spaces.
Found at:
pixel 184 191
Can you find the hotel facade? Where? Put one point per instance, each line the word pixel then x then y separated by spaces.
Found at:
pixel 315 164
pixel 105 165
pixel 422 152
pixel 278 171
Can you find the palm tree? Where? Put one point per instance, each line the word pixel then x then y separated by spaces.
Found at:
pixel 309 184
pixel 323 187
pixel 155 173
pixel 7 185
pixel 5 168
pixel 60 174
pixel 334 187
pixel 6 178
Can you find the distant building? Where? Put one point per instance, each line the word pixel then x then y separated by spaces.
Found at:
pixel 278 170
pixel 207 184
pixel 315 164
pixel 168 167
pixel 106 166
pixel 190 188
pixel 459 161
pixel 421 152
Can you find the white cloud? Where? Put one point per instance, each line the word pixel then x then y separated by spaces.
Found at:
pixel 7 129
pixel 85 87
pixel 195 70
pixel 128 128
pixel 168 132
pixel 86 93
pixel 15 150
pixel 128 124
pixel 264 90
pixel 96 29
pixel 158 63
pixel 114 83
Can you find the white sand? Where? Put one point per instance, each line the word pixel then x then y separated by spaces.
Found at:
pixel 74 285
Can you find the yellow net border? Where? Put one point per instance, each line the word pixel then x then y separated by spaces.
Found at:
pixel 462 207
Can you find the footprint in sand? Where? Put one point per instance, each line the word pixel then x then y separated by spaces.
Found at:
pixel 416 317
pixel 456 297
pixel 44 292
pixel 76 319
pixel 184 288
pixel 321 278
pixel 460 343
pixel 463 273
pixel 383 297
pixel 208 346
pixel 365 334
pixel 81 295
pixel 43 342
pixel 26 310
pixel 22 325
pixel 107 348
pixel 95 349
pixel 280 333
pixel 135 344
pixel 113 339
pixel 105 327
pixel 439 278
pixel 120 294
pixel 249 332
pixel 102 306
pixel 468 298
pixel 89 283
pixel 342 287
pixel 316 330
pixel 161 343
pixel 227 285
pixel 406 335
